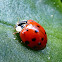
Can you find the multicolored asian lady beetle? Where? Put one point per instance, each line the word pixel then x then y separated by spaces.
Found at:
pixel 32 34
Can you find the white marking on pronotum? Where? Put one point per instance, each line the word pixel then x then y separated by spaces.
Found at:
pixel 18 28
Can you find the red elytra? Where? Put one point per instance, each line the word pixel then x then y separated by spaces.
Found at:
pixel 33 35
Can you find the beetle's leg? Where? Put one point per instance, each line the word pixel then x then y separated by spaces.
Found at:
pixel 15 32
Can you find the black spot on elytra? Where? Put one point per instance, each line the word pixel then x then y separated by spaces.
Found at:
pixel 38 26
pixel 34 39
pixel 42 39
pixel 26 29
pixel 26 42
pixel 39 43
pixel 36 31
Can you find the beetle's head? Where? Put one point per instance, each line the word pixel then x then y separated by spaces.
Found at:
pixel 21 25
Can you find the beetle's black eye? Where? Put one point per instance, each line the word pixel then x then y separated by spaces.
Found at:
pixel 22 26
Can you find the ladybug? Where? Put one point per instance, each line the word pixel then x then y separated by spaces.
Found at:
pixel 32 34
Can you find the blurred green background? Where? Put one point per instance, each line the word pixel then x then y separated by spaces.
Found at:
pixel 48 13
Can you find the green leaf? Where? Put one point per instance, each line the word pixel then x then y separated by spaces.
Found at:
pixel 48 13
